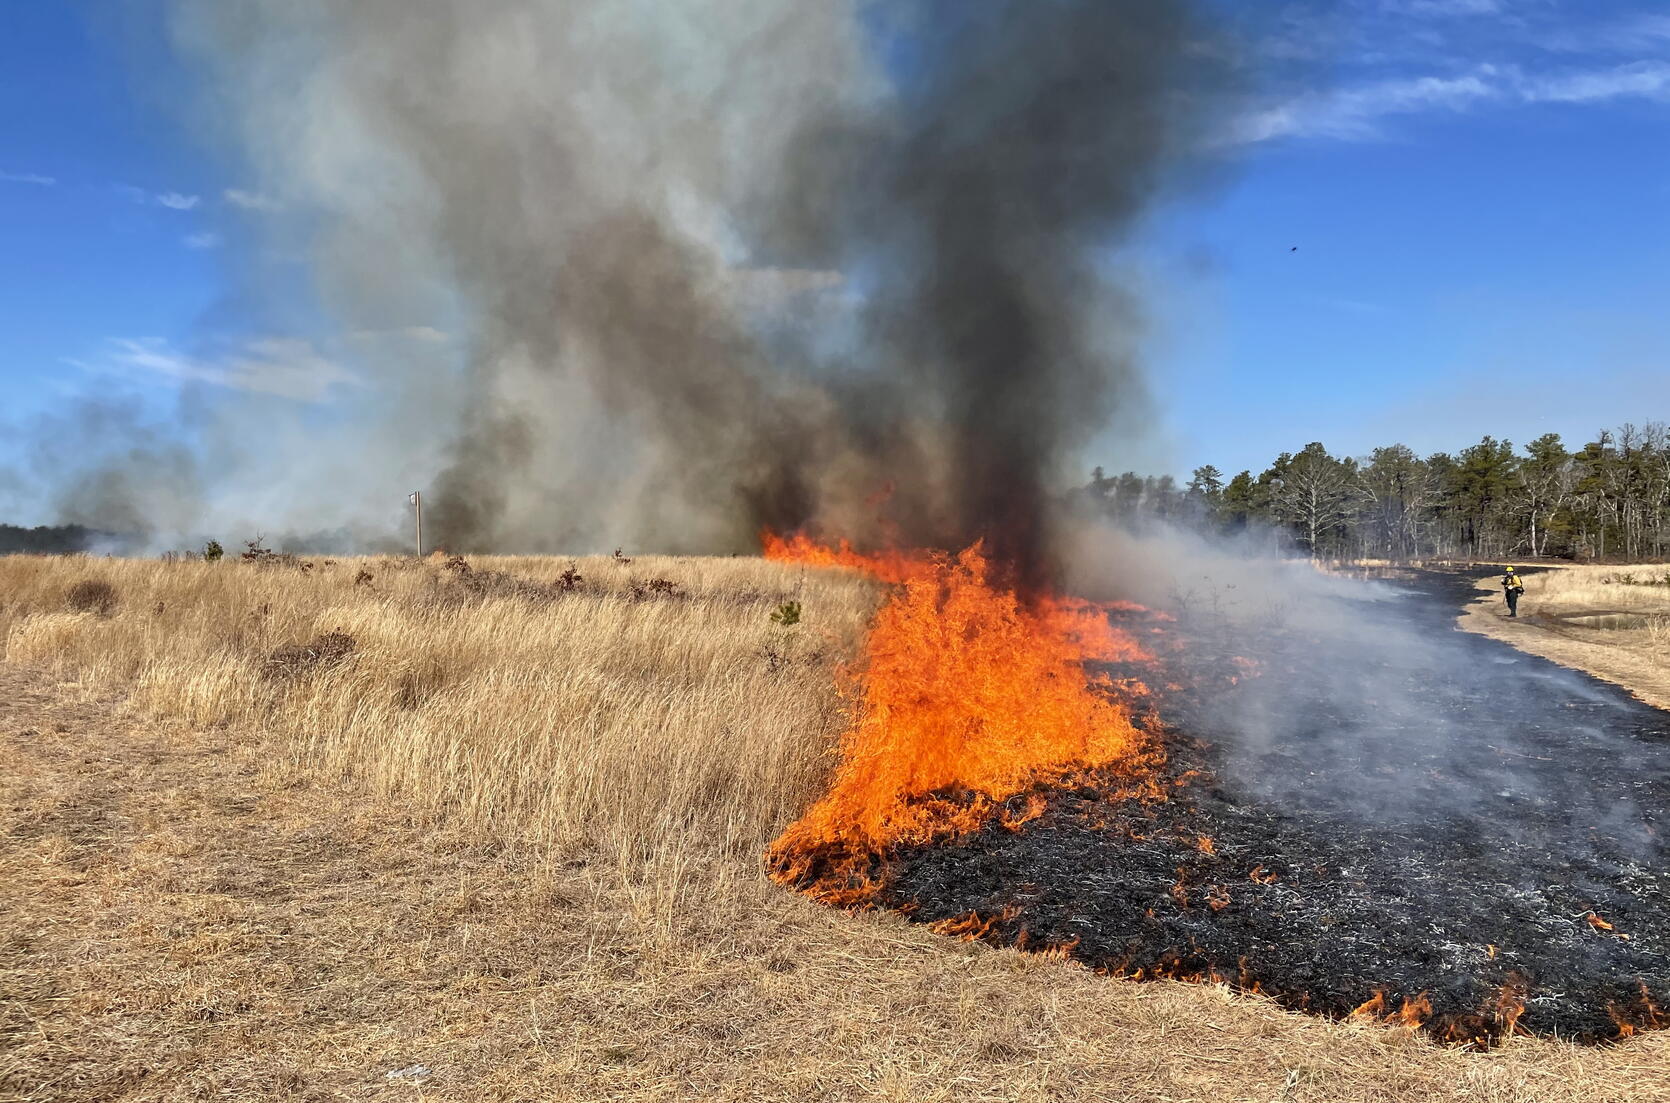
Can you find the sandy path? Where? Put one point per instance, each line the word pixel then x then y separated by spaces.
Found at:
pixel 1643 670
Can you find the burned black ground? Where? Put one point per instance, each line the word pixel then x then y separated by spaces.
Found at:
pixel 1393 807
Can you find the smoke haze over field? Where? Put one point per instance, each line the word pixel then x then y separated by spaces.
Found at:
pixel 1367 701
pixel 748 263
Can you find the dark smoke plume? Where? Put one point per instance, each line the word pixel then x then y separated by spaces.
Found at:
pixel 1032 136
pixel 728 264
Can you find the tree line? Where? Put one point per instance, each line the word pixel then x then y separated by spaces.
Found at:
pixel 46 539
pixel 1608 499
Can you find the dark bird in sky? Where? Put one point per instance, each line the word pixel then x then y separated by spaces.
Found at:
pixel 1295 249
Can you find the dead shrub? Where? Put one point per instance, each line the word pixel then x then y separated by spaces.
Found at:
pixel 408 693
pixel 481 584
pixel 92 595
pixel 418 683
pixel 258 554
pixel 320 654
pixel 644 589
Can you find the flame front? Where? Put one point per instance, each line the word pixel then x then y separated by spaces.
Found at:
pixel 967 694
pixel 978 708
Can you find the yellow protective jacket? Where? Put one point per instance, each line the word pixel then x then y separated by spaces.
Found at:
pixel 1511 582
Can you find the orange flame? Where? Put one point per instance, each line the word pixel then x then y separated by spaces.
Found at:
pixel 1510 1003
pixel 1645 1014
pixel 1414 1010
pixel 1034 807
pixel 888 566
pixel 1495 1020
pixel 1371 1009
pixel 967 695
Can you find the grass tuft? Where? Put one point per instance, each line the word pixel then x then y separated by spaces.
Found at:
pixel 92 595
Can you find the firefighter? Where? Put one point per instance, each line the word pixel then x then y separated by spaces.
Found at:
pixel 1512 587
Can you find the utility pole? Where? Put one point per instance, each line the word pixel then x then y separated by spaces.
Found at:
pixel 417 512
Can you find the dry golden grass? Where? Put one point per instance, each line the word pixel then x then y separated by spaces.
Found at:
pixel 594 718
pixel 516 842
pixel 1636 658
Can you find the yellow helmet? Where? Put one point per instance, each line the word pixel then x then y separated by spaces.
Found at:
pixel 1510 570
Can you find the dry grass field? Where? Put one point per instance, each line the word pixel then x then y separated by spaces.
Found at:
pixel 505 845
pixel 1611 621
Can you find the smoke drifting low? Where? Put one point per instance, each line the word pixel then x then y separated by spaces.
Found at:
pixel 731 265
pixel 1364 700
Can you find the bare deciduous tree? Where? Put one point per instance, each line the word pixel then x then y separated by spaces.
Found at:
pixel 1316 492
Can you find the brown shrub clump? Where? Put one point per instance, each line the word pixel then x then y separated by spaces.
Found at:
pixel 645 589
pixel 92 595
pixel 262 556
pixel 475 582
pixel 298 659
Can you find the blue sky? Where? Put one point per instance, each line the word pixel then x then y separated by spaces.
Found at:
pixel 1478 191
pixel 107 210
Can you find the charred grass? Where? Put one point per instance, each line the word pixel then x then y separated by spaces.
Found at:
pixel 508 847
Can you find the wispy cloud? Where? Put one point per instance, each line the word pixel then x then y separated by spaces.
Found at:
pixel 1355 113
pixel 28 178
pixel 1442 8
pixel 1645 80
pixel 284 367
pixel 173 200
pixel 1644 30
pixel 206 240
pixel 1638 34
pixel 1352 113
pixel 249 201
